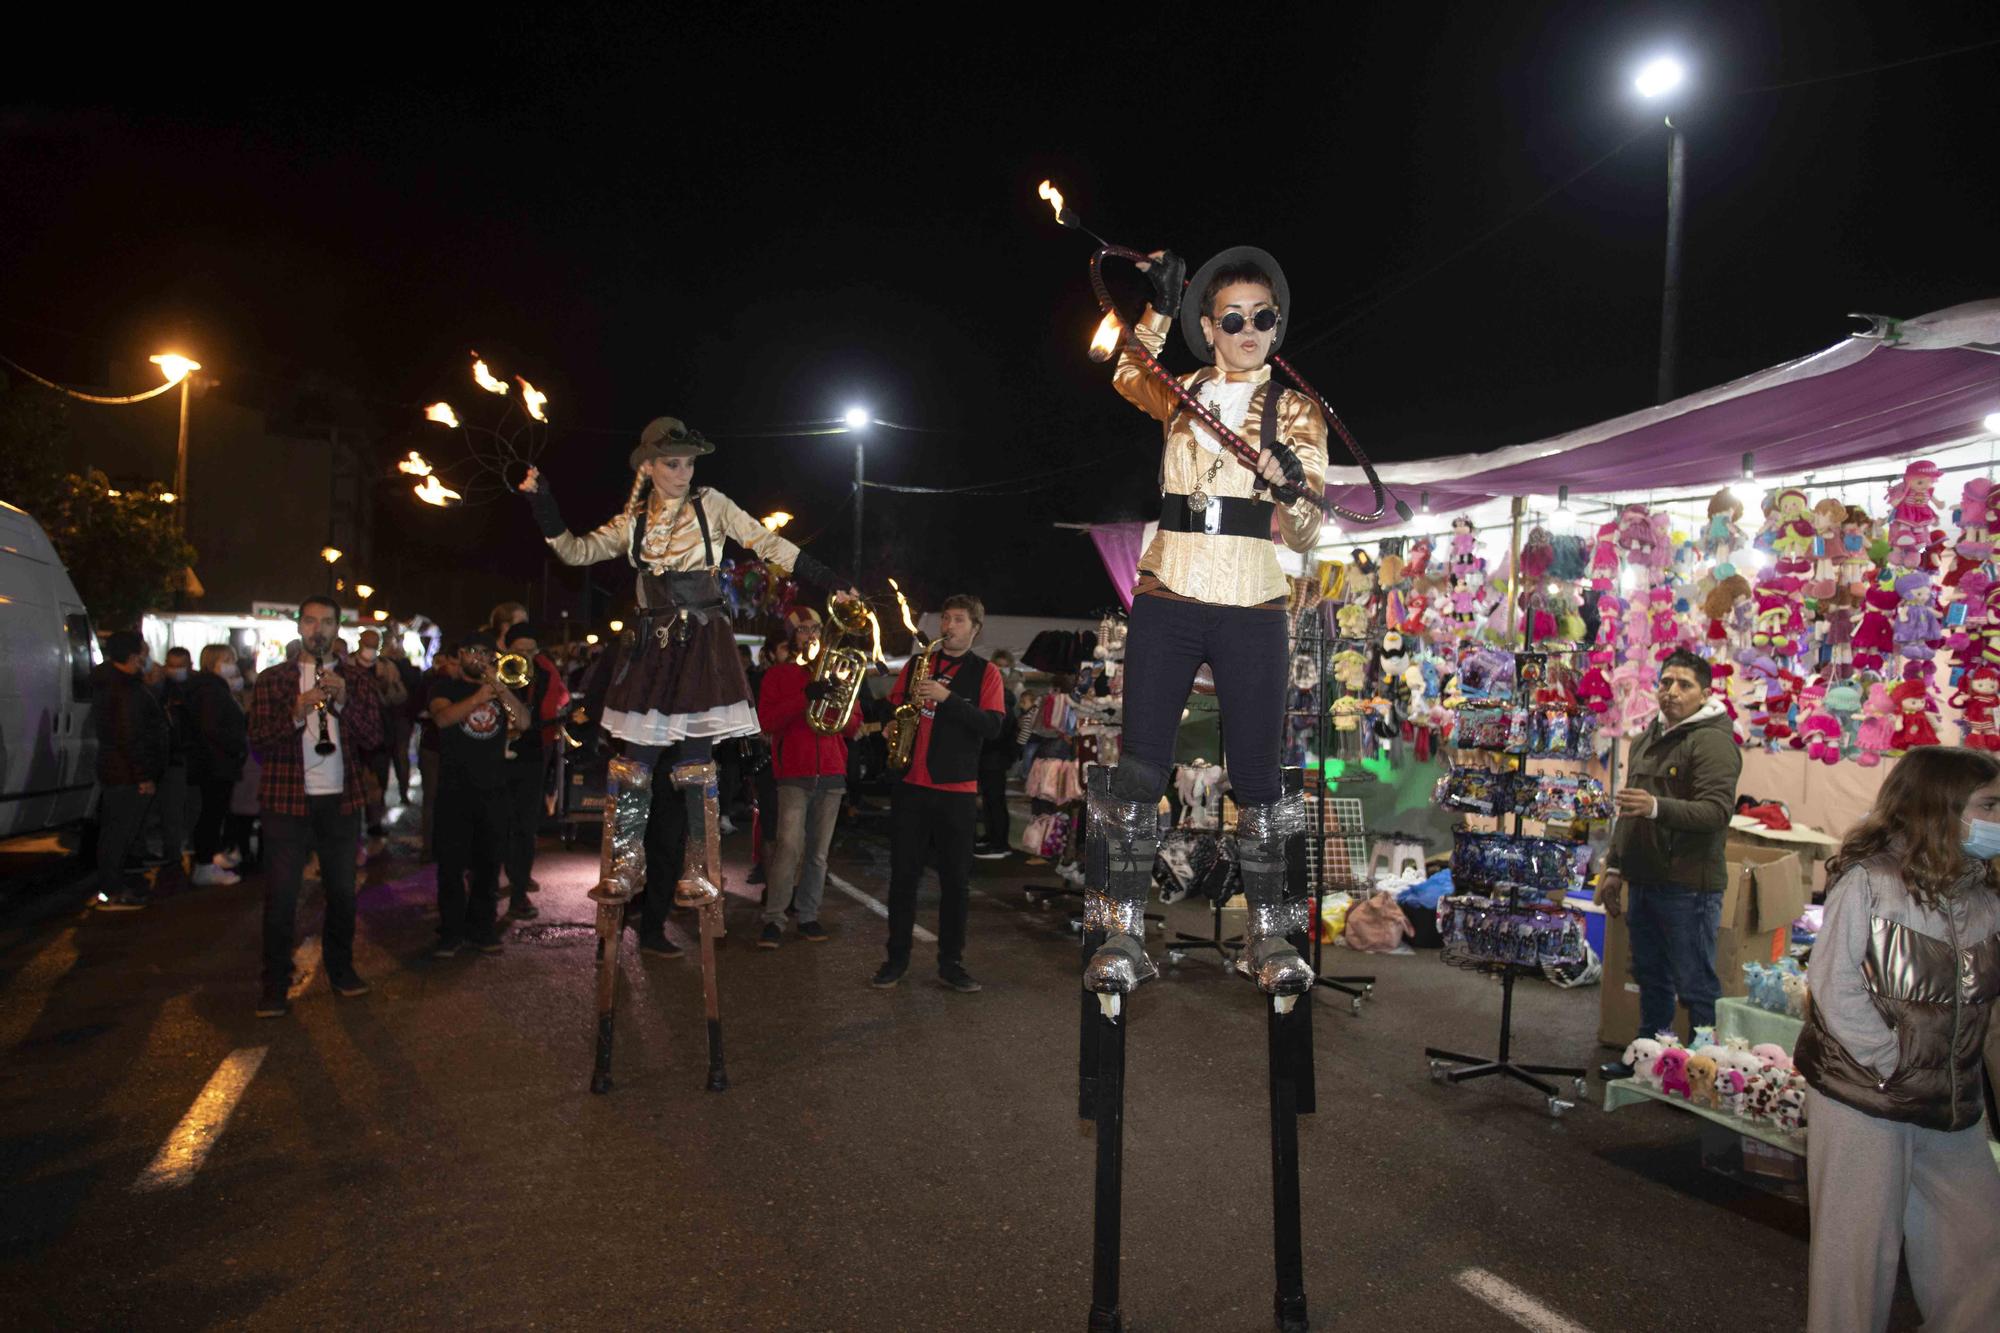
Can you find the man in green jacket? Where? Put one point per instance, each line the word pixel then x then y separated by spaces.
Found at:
pixel 1667 849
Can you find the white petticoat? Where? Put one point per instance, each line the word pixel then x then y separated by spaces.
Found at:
pixel 656 728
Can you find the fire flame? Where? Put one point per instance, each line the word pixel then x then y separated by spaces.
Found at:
pixel 416 465
pixel 434 492
pixel 1054 196
pixel 442 414
pixel 776 521
pixel 909 623
pixel 533 399
pixel 484 377
pixel 1105 341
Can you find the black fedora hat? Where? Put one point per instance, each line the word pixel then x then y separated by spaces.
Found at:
pixel 1235 256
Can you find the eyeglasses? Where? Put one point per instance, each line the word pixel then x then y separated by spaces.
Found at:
pixel 1263 321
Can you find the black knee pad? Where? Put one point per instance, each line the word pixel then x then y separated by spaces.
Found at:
pixel 1137 780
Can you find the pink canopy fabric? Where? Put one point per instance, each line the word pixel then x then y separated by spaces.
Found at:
pixel 1119 546
pixel 1896 390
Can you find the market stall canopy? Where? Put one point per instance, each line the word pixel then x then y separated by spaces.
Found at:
pixel 1898 389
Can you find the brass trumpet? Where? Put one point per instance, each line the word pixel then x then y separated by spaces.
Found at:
pixel 512 670
pixel 844 667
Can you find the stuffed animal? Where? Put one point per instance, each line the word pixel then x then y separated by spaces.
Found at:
pixel 1643 1055
pixel 1673 1071
pixel 1911 515
pixel 1701 1075
pixel 1773 1056
pixel 1820 733
pixel 1795 994
pixel 1788 530
pixel 1977 698
pixel 1724 532
pixel 1729 1085
pixel 1852 562
pixel 1704 1037
pixel 1876 635
pixel 1914 706
pixel 1918 633
pixel 1791 1111
pixel 1877 731
pixel 1977 510
pixel 1760 1105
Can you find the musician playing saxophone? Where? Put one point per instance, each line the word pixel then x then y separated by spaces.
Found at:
pixel 934 807
pixel 811 774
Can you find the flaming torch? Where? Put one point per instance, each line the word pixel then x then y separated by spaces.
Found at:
pixel 434 492
pixel 533 399
pixel 442 414
pixel 416 465
pixel 1105 341
pixel 484 377
pixel 909 621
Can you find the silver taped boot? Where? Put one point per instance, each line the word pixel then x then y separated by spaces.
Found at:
pixel 628 797
pixel 1269 959
pixel 697 885
pixel 1131 834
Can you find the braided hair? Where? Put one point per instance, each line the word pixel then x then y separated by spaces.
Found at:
pixel 635 510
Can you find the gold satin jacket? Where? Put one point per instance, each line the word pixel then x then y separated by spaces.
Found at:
pixel 673 544
pixel 1229 571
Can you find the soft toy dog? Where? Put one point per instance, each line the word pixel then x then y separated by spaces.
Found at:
pixel 1644 1057
pixel 1795 994
pixel 1701 1075
pixel 1673 1071
pixel 1773 1056
pixel 1729 1086
pixel 1791 1112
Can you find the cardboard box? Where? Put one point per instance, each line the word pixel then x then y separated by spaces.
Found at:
pixel 1766 893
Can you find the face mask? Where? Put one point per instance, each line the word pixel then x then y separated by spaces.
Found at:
pixel 1982 839
pixel 229 672
pixel 177 673
pixel 367 656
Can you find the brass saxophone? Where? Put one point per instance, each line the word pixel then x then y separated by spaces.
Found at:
pixel 901 732
pixel 845 667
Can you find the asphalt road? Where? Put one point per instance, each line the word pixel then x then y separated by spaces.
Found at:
pixel 428 1156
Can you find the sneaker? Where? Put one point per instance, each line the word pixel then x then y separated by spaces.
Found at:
pixel 756 874
pixel 447 948
pixel 125 900
pixel 814 931
pixel 888 975
pixel 350 986
pixel 955 976
pixel 659 946
pixel 987 851
pixel 273 1004
pixel 229 860
pixel 1614 1069
pixel 523 910
pixel 491 946
pixel 771 936
pixel 212 874
pixel 728 824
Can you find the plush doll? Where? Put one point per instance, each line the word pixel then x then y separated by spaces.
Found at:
pixel 1351 620
pixel 1827 517
pixel 1876 734
pixel 1723 533
pixel 1673 1071
pixel 1911 515
pixel 1918 633
pixel 1852 562
pixel 1788 530
pixel 1914 707
pixel 1537 554
pixel 1760 1105
pixel 1643 1055
pixel 1772 1056
pixel 1977 697
pixel 1634 701
pixel 1795 994
pixel 1593 690
pixel 1821 735
pixel 1738 1056
pixel 1843 704
pixel 1838 621
pixel 1665 629
pixel 1729 1086
pixel 1701 1074
pixel 1350 670
pixel 1791 1112
pixel 1719 602
pixel 1876 634
pixel 1779 624
pixel 1644 538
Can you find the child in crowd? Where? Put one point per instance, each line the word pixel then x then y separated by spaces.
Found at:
pixel 1903 978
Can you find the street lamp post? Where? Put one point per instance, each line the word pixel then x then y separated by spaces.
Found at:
pixel 1659 79
pixel 857 420
pixel 330 554
pixel 177 367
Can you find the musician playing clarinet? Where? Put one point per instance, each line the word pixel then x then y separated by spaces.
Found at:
pixel 1210 590
pixel 677 684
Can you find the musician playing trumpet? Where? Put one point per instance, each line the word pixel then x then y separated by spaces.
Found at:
pixel 951 701
pixel 475 714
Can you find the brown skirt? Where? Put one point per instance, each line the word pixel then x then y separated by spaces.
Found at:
pixel 665 691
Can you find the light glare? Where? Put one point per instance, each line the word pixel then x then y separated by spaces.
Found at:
pixel 174 366
pixel 1659 76
pixel 856 418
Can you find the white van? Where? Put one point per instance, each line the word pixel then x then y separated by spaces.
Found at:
pixel 48 755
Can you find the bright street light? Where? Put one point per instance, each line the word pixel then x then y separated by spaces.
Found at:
pixel 364 590
pixel 617 627
pixel 1993 422
pixel 168 497
pixel 330 553
pixel 857 418
pixel 174 366
pixel 1659 76
pixel 381 614
pixel 590 638
pixel 177 369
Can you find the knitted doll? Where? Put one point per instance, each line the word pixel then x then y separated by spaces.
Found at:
pixel 1875 636
pixel 1665 629
pixel 1911 515
pixel 1820 733
pixel 1852 562
pixel 1789 528
pixel 1918 631
pixel 1976 514
pixel 1877 731
pixel 1779 623
pixel 1827 517
pixel 1717 605
pixel 1977 698
pixel 1843 705
pixel 1914 707
pixel 1724 532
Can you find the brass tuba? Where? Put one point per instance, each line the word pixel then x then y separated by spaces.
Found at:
pixel 845 667
pixel 512 670
pixel 901 733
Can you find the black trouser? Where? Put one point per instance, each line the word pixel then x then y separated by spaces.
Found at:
pixel 1244 647
pixel 923 820
pixel 399 729
pixel 993 802
pixel 666 828
pixel 766 786
pixel 121 813
pixel 471 829
pixel 524 819
pixel 208 824
pixel 288 840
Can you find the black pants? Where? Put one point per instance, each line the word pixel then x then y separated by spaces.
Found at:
pixel 666 827
pixel 524 819
pixel 993 803
pixel 208 824
pixel 471 830
pixel 923 820
pixel 1244 647
pixel 288 841
pixel 399 729
pixel 121 813
pixel 766 786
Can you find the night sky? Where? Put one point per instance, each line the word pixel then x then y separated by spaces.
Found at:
pixel 758 218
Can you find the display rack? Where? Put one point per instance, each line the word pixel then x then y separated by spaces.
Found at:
pixel 1336 845
pixel 1509 895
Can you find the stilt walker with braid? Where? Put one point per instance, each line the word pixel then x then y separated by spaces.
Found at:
pixel 677 688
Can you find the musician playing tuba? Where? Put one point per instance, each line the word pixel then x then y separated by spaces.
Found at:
pixel 677 686
pixel 959 703
pixel 810 768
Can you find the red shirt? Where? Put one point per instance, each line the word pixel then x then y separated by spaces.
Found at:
pixel 797 751
pixel 992 699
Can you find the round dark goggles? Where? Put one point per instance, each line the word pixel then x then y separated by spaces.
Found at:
pixel 1263 321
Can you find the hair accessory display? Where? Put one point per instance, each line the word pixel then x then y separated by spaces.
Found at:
pixel 1479 930
pixel 1504 858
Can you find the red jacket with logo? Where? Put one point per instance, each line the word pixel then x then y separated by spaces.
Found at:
pixel 797 751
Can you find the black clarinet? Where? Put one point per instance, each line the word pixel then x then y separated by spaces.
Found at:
pixel 325 745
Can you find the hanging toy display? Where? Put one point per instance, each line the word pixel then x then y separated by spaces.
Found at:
pixel 1912 521
pixel 1977 700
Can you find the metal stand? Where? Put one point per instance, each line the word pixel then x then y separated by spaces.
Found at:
pixel 1309 637
pixel 1184 943
pixel 1475 1066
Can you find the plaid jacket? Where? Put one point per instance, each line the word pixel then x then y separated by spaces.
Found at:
pixel 281 787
